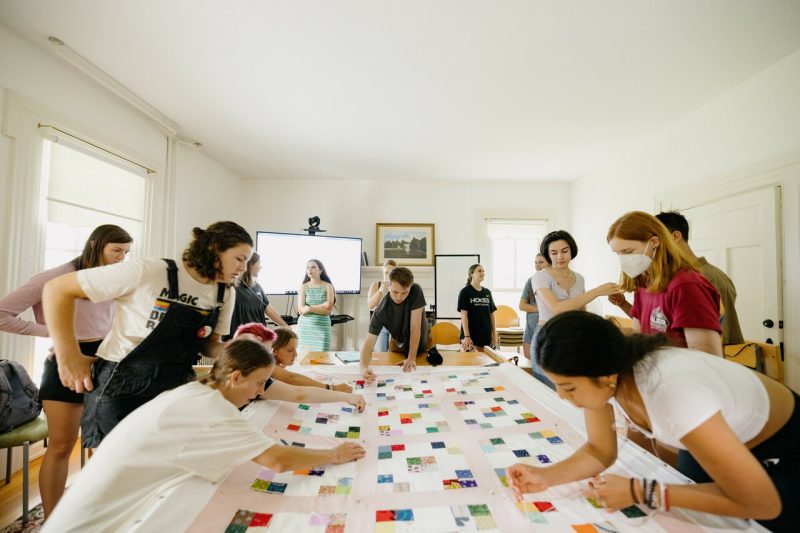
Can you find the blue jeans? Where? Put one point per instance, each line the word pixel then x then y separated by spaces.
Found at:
pixel 382 344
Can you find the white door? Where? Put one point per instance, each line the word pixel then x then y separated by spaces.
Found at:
pixel 742 236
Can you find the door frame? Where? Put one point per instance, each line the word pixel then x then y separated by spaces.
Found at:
pixel 782 171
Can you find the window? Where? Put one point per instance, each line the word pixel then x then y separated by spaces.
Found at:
pixel 84 190
pixel 513 248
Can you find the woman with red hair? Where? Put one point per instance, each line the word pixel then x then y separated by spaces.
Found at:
pixel 670 296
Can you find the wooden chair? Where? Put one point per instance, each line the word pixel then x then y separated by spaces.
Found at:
pixel 506 320
pixel 428 345
pixel 506 317
pixel 445 333
pixel 24 436
pixel 760 356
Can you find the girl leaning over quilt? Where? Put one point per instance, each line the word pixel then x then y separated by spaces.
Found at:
pixel 192 431
pixel 741 428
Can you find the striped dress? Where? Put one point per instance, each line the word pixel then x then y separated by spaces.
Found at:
pixel 315 330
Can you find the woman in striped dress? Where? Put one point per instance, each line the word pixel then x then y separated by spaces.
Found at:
pixel 316 300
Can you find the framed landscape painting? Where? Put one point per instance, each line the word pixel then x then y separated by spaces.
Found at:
pixel 408 244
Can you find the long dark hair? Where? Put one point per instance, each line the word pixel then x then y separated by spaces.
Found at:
pixel 246 277
pixel 323 275
pixel 202 254
pixel 577 343
pixel 92 255
pixel 243 355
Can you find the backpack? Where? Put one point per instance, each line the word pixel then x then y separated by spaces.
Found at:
pixel 19 396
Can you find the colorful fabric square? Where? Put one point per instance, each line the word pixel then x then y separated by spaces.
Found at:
pixel 544 507
pixel 395 515
pixel 633 512
pixel 244 519
pixel 501 474
pixel 479 510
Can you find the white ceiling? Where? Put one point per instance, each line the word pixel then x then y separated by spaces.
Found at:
pixel 419 89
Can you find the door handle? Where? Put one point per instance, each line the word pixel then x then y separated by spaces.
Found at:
pixel 768 323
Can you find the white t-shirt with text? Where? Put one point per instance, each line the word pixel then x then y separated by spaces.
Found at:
pixel 140 289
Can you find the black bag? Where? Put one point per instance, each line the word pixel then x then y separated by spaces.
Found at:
pixel 19 396
pixel 434 357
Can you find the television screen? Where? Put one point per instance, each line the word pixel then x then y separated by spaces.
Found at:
pixel 284 257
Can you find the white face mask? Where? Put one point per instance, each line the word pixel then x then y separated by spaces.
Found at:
pixel 635 264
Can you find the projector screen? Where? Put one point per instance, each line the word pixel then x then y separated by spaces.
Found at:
pixel 284 257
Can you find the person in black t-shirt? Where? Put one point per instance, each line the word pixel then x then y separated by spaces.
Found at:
pixel 403 314
pixel 477 309
pixel 252 304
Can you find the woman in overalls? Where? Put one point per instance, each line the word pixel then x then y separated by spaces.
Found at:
pixel 167 313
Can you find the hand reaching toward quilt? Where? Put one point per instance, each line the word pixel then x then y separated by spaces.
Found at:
pixel 349 451
pixel 357 401
pixel 343 387
pixel 524 479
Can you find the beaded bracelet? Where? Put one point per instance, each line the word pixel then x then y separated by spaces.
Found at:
pixel 650 490
pixel 633 491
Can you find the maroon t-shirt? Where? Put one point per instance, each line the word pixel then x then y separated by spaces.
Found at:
pixel 690 301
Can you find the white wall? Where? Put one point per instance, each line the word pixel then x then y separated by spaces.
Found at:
pixel 747 130
pixel 353 207
pixel 36 86
pixel 206 193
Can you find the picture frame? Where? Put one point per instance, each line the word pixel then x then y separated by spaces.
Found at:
pixel 409 244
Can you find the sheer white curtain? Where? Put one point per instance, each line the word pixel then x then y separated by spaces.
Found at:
pixel 85 189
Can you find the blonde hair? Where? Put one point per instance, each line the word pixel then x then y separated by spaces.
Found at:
pixel 284 336
pixel 391 262
pixel 668 259
pixel 243 355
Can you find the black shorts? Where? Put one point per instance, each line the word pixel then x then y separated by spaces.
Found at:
pixel 51 387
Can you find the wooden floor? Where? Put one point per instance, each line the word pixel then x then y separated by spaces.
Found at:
pixel 11 494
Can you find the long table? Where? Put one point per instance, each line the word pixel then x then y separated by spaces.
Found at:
pixel 199 506
pixel 450 358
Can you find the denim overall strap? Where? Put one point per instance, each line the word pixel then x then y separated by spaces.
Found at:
pixel 162 361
